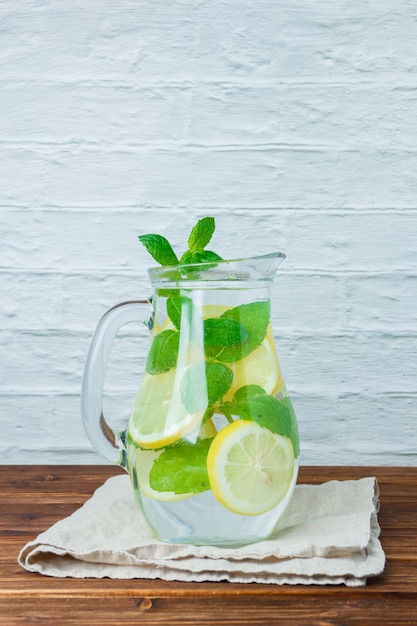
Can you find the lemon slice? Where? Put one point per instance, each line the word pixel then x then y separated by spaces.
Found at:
pixel 250 468
pixel 141 462
pixel 261 367
pixel 158 417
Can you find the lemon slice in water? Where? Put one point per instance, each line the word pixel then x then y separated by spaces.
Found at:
pixel 158 417
pixel 142 461
pixel 250 468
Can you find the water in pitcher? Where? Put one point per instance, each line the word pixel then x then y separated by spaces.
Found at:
pixel 212 440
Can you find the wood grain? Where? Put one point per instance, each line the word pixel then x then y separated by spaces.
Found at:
pixel 33 498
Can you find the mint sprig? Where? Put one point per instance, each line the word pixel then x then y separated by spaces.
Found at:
pixel 161 250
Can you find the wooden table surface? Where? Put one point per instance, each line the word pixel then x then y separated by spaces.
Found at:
pixel 32 498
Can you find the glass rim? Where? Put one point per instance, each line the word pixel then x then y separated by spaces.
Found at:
pixel 160 269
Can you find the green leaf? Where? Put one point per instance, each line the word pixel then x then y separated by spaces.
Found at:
pixel 182 468
pixel 294 436
pixel 254 317
pixel 219 333
pixel 207 256
pixel 159 248
pixel 203 384
pixel 166 293
pixel 208 414
pixel 163 352
pixel 176 306
pixel 219 378
pixel 201 234
pixel 189 258
pixel 267 411
pixel 252 403
pixel 248 392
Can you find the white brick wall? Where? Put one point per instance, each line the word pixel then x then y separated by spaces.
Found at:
pixel 294 124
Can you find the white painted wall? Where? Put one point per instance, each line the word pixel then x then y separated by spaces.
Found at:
pixel 293 123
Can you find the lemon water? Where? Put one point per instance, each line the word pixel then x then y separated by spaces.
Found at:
pixel 202 520
pixel 212 440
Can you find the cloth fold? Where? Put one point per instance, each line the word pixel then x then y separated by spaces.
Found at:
pixel 328 535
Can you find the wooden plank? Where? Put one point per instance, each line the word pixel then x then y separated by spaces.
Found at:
pixel 353 610
pixel 63 481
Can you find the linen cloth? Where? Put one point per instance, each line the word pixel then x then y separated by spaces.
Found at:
pixel 328 535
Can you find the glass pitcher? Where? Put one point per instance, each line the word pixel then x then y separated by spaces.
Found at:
pixel 211 445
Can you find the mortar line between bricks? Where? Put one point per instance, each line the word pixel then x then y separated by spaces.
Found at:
pixel 393 81
pixel 101 147
pixel 330 210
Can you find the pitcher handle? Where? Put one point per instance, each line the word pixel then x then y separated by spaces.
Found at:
pixel 105 440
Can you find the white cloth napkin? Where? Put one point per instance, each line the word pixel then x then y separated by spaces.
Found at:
pixel 328 535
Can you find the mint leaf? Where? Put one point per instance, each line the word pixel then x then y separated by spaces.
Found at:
pixel 248 392
pixel 252 403
pixel 163 352
pixel 203 384
pixel 219 333
pixel 197 241
pixel 182 468
pixel 201 234
pixel 294 436
pixel 267 411
pixel 208 255
pixel 208 414
pixel 189 258
pixel 159 248
pixel 254 317
pixel 174 310
pixel 219 378
pixel 175 306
